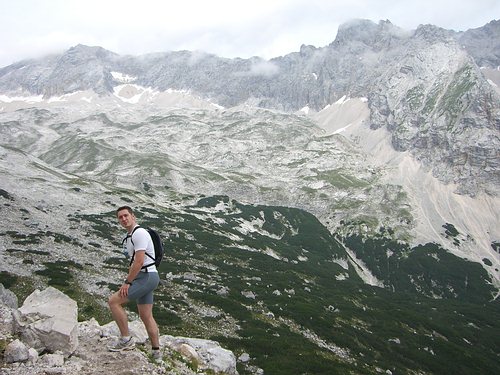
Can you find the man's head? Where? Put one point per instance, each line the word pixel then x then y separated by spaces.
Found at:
pixel 126 217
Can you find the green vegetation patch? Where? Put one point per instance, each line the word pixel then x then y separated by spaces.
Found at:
pixel 450 230
pixel 425 269
pixel 453 101
pixel 495 245
pixel 5 194
pixel 340 179
pixel 414 97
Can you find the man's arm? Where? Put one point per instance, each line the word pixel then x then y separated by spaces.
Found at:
pixel 133 271
pixel 136 266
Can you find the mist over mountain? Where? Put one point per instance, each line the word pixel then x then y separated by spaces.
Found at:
pixel 297 194
pixel 429 87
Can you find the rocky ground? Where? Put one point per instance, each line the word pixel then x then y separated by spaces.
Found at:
pixel 88 353
pixel 93 357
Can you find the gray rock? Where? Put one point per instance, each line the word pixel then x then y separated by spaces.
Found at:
pixel 52 360
pixel 7 322
pixel 8 298
pixel 245 357
pixel 32 356
pixel 16 351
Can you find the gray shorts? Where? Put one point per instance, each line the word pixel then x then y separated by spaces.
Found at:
pixel 142 288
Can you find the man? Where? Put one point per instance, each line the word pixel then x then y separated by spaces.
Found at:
pixel 141 280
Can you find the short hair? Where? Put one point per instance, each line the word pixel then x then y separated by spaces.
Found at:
pixel 128 208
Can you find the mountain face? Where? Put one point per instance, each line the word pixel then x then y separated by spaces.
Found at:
pixel 483 44
pixel 425 86
pixel 328 211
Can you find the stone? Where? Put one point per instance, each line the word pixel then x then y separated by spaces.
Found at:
pixel 8 298
pixel 48 321
pixel 136 329
pixel 244 357
pixel 7 322
pixel 16 351
pixel 188 352
pixel 32 356
pixel 52 360
pixel 212 355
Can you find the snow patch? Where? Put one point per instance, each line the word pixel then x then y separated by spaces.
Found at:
pixel 68 97
pixel 123 78
pixel 305 109
pixel 26 99
pixel 131 93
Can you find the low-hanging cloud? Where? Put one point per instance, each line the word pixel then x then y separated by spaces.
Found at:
pixel 264 68
pixel 261 68
pixel 227 28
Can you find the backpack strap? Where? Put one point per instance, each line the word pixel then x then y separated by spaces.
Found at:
pixel 133 255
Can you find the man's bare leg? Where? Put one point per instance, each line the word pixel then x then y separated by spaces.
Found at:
pixel 115 303
pixel 146 314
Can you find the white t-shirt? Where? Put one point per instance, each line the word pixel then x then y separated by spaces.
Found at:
pixel 142 241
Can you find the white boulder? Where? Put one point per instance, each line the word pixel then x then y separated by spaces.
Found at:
pixel 48 321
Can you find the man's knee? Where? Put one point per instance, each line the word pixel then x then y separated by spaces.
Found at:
pixel 115 300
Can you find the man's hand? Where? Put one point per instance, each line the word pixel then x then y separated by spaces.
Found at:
pixel 124 290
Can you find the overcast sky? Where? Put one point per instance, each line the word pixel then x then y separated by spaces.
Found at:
pixel 228 28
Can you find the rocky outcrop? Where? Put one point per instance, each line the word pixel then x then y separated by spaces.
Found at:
pixel 87 344
pixel 48 322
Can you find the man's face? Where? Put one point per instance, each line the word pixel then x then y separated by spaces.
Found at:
pixel 125 218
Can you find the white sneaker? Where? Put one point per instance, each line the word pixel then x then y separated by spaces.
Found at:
pixel 157 356
pixel 122 344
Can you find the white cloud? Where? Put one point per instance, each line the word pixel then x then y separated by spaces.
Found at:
pixel 228 28
pixel 263 68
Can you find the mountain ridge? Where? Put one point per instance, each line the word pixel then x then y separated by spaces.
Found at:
pixel 419 84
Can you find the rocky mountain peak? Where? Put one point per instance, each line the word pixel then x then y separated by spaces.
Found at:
pixel 433 34
pixel 483 43
pixel 81 53
pixel 369 33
